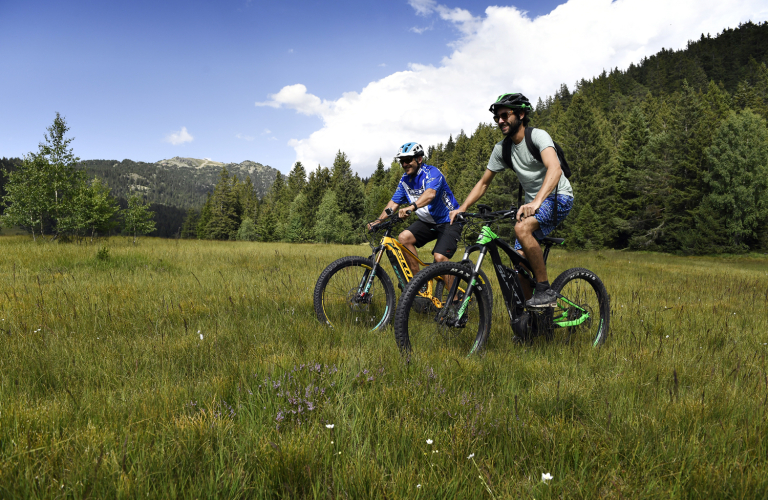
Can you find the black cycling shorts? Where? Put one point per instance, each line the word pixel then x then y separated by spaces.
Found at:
pixel 447 236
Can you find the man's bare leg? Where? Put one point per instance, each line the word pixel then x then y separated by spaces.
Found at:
pixel 531 251
pixel 447 279
pixel 545 296
pixel 408 240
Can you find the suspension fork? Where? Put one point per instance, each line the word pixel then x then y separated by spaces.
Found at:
pixel 367 282
pixel 470 288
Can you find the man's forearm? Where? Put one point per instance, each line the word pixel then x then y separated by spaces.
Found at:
pixel 426 198
pixel 477 192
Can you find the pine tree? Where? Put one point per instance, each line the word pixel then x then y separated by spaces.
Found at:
pixel 737 184
pixel 333 225
pixel 681 174
pixel 587 145
pixel 627 182
pixel 377 193
pixel 205 216
pixel 267 226
pixel 318 184
pixel 297 181
pixel 223 221
pixel 189 226
pixel 297 229
pixel 348 189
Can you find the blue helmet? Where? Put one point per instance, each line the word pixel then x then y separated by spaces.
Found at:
pixel 410 149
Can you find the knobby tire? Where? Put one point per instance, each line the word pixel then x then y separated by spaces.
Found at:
pixel 334 296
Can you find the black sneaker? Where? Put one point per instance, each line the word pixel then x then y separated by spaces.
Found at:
pixel 543 298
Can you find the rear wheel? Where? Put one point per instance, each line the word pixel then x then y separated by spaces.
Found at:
pixel 338 299
pixel 585 309
pixel 442 325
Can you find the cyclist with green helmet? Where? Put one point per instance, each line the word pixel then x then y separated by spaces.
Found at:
pixel 548 194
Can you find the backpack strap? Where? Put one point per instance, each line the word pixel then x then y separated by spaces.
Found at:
pixel 506 155
pixel 530 145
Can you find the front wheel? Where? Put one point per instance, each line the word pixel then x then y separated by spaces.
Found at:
pixel 443 325
pixel 341 301
pixel 584 309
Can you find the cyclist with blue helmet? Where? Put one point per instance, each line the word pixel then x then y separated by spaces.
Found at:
pixel 548 194
pixel 424 190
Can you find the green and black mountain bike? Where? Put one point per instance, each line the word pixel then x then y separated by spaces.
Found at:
pixel 583 305
pixel 356 290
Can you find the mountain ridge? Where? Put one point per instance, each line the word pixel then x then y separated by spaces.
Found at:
pixel 179 181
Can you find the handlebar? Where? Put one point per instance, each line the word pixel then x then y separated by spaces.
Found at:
pixel 486 215
pixel 393 217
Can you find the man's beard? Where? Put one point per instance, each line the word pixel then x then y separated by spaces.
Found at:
pixel 514 126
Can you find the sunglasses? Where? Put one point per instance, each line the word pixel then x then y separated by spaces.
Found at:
pixel 502 116
pixel 405 160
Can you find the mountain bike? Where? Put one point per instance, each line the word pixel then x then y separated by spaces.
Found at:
pixel 583 305
pixel 356 290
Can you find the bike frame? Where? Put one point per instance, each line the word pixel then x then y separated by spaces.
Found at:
pixel 509 279
pixel 394 250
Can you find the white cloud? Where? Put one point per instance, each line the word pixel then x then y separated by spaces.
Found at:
pixel 296 97
pixel 419 30
pixel 423 7
pixel 502 51
pixel 244 137
pixel 179 137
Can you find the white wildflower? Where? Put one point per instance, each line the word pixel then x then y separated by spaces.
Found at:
pixel 429 441
pixel 471 455
pixel 201 336
pixel 546 476
pixel 329 426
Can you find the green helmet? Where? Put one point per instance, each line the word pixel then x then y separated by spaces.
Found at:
pixel 512 101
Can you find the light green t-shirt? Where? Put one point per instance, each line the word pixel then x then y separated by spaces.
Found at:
pixel 529 170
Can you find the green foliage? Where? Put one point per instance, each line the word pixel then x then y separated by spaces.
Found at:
pixel 41 192
pixel 348 188
pixel 737 184
pixel 247 230
pixel 137 218
pixel 189 227
pixel 333 225
pixel 224 219
pixel 298 229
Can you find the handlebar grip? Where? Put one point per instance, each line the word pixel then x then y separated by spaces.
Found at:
pixel 408 212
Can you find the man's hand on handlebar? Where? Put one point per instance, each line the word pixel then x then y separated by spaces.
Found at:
pixel 453 213
pixel 405 212
pixel 527 210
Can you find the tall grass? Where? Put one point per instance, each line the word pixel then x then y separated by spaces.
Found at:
pixel 197 369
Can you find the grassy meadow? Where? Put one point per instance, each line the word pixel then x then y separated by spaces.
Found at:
pixel 196 369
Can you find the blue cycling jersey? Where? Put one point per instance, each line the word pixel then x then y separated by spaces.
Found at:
pixel 411 188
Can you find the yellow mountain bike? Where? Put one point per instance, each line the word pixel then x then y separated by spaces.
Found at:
pixel 356 290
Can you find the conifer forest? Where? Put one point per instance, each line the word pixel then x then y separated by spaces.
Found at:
pixel 669 155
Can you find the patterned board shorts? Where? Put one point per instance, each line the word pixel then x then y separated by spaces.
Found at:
pixel 546 214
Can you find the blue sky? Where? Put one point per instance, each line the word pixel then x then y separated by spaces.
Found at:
pixel 274 82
